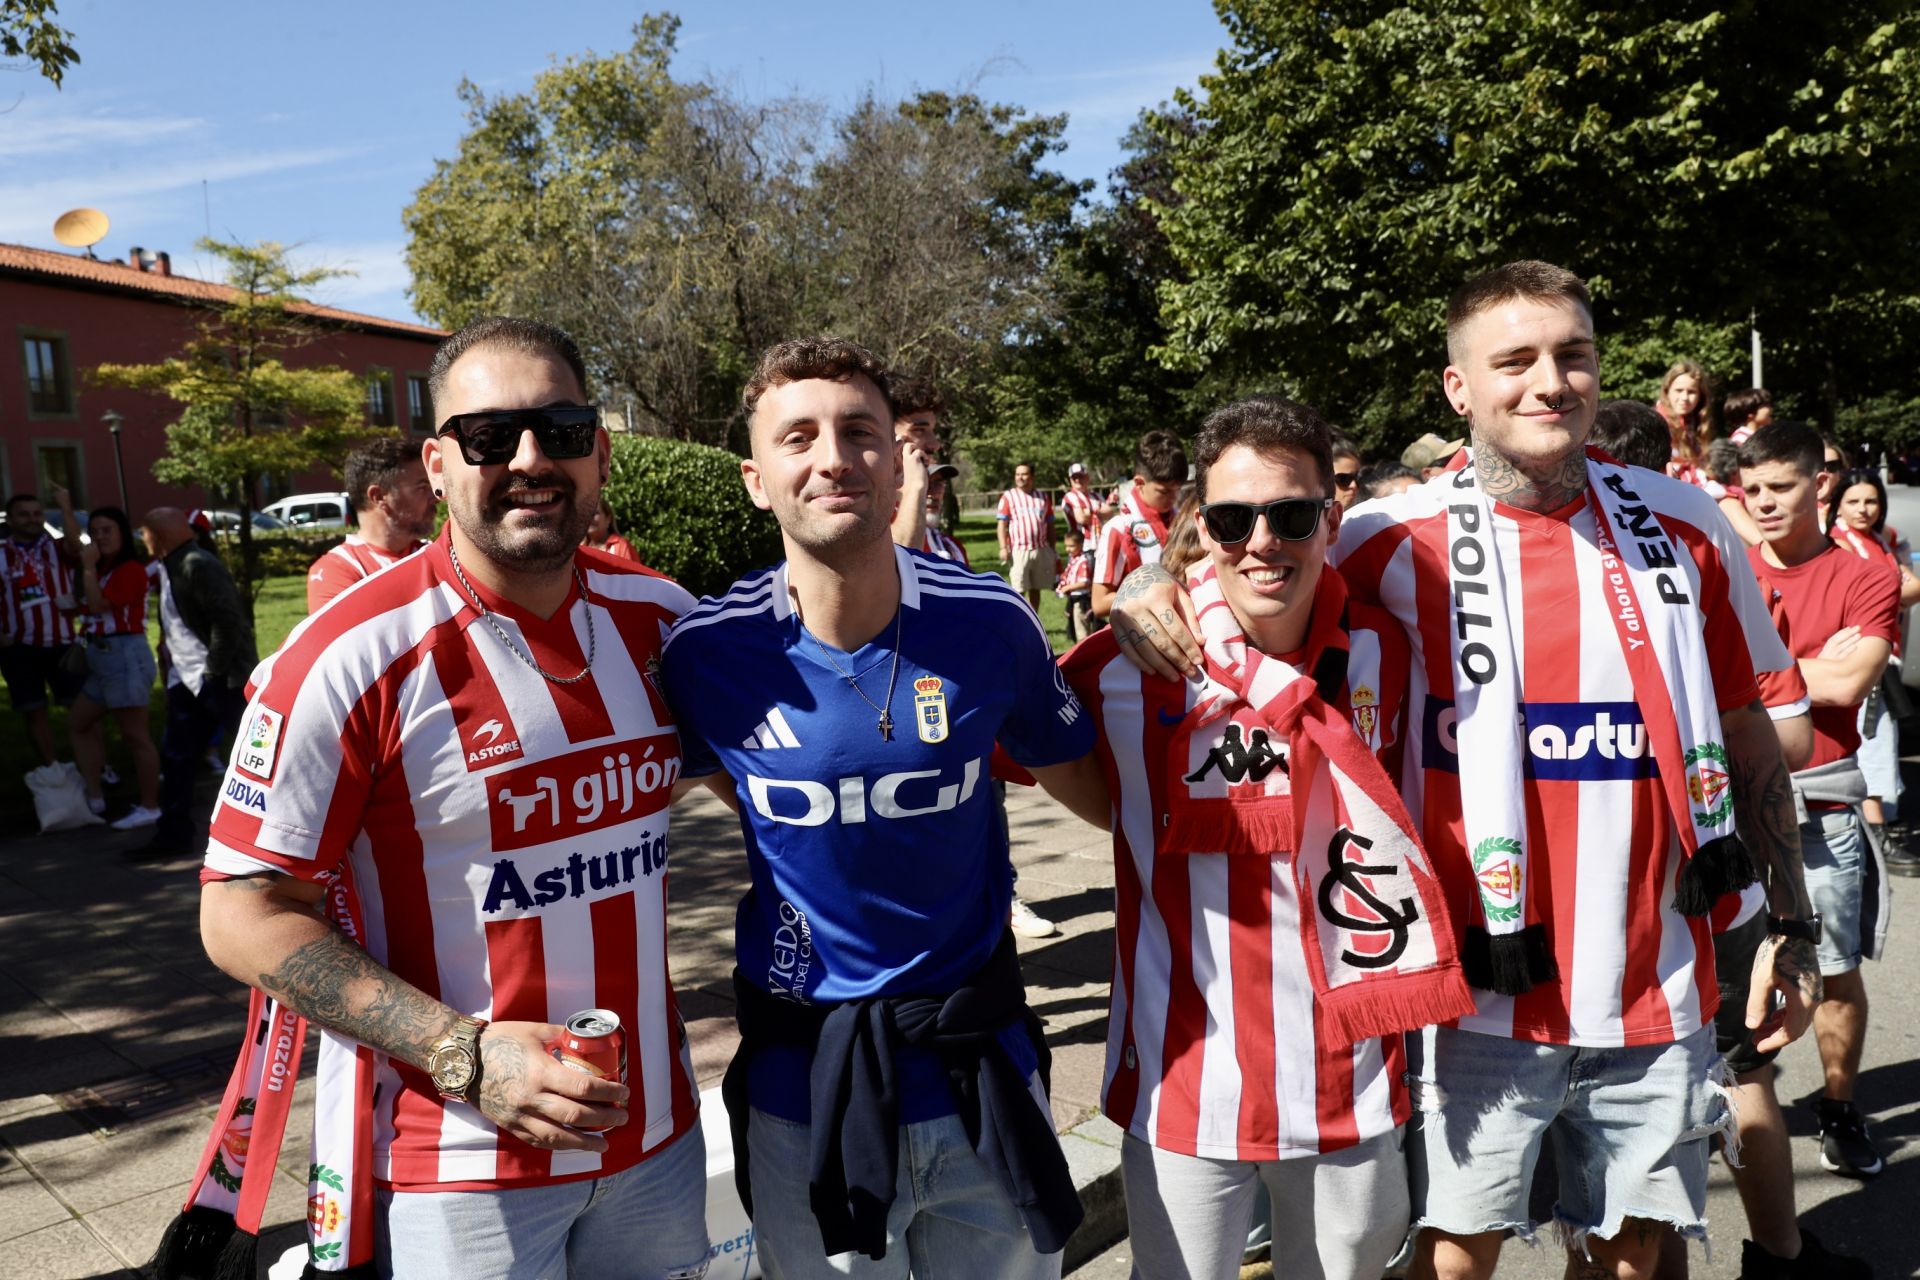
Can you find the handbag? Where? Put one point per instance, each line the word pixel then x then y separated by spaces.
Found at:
pixel 73 659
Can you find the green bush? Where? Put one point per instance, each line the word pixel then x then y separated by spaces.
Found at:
pixel 683 508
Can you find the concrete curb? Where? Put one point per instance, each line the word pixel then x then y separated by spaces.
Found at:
pixel 1092 1148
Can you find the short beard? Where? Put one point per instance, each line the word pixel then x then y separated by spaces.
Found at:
pixel 533 552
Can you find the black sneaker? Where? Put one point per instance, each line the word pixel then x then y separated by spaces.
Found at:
pixel 1901 860
pixel 1814 1263
pixel 1845 1148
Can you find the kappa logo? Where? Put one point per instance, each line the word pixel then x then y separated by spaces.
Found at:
pixel 1241 759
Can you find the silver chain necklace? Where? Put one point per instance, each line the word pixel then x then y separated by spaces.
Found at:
pixel 507 640
pixel 885 709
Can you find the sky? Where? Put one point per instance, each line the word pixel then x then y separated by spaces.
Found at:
pixel 316 127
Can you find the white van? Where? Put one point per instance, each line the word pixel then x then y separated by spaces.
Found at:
pixel 311 510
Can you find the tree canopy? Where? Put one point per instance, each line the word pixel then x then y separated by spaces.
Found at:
pixel 1348 164
pixel 28 30
pixel 245 411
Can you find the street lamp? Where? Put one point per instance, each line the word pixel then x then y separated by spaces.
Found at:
pixel 113 421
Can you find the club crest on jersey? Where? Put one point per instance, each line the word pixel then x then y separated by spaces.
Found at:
pixel 1142 533
pixel 259 749
pixel 1496 865
pixel 930 709
pixel 1366 713
pixel 1707 784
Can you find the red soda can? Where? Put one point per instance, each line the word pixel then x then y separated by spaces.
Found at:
pixel 594 1043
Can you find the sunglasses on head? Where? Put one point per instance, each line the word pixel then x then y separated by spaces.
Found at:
pixel 1289 519
pixel 492 436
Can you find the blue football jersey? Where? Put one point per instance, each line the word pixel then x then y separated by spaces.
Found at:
pixel 878 867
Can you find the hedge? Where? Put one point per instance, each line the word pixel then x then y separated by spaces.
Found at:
pixel 685 511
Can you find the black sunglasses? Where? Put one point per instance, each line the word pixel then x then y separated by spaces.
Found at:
pixel 492 436
pixel 1289 519
pixel 1345 479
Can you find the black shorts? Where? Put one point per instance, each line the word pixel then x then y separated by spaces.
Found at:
pixel 31 670
pixel 1733 966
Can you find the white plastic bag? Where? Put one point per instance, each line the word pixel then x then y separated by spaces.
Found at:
pixel 59 798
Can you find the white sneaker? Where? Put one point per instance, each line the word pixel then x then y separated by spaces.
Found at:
pixel 109 776
pixel 138 816
pixel 1027 924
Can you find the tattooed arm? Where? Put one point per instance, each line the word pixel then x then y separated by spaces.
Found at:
pixel 264 930
pixel 1154 621
pixel 1763 812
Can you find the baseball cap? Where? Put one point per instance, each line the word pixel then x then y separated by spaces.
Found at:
pixel 942 471
pixel 1077 469
pixel 1429 451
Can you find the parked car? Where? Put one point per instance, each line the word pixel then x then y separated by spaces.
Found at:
pixel 311 510
pixel 226 522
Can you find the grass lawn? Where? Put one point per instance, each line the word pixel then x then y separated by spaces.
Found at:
pixel 281 607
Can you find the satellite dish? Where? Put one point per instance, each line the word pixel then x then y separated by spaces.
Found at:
pixel 80 228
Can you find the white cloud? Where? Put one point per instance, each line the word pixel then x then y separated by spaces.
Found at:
pixel 32 129
pixel 379 274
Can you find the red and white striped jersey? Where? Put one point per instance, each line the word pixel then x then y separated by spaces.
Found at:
pixel 1028 514
pixel 346 564
pixel 940 543
pixel 31 589
pixel 505 836
pixel 1214 1042
pixel 124 588
pixel 1603 852
pixel 1082 511
pixel 1135 536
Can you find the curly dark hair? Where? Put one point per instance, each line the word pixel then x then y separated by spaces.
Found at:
pixel 799 359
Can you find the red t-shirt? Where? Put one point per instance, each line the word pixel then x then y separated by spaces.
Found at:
pixel 1818 597
pixel 125 588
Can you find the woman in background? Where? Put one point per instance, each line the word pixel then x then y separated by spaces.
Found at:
pixel 603 534
pixel 1857 520
pixel 120 666
pixel 1686 402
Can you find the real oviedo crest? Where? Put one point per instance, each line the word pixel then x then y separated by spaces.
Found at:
pixel 930 709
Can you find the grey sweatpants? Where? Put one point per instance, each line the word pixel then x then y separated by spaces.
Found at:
pixel 1335 1217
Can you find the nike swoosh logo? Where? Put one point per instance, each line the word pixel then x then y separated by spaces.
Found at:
pixel 1173 719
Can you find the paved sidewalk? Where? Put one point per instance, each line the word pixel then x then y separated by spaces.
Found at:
pixel 117 1035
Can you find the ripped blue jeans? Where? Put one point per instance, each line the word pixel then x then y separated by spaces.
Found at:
pixel 1630 1128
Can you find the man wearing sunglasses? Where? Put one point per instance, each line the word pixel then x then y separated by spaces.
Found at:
pixel 1585 641
pixel 1233 831
pixel 464 765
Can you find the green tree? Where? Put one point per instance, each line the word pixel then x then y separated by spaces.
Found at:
pixel 1356 160
pixel 28 30
pixel 245 411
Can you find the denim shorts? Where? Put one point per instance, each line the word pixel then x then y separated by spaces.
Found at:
pixel 1834 851
pixel 1630 1129
pixel 120 671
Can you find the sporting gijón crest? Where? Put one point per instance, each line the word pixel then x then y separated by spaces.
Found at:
pixel 1376 931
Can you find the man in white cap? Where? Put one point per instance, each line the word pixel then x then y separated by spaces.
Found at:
pixel 1083 507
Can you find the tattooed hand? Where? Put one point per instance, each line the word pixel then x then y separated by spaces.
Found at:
pixel 1154 621
pixel 530 1095
pixel 1787 966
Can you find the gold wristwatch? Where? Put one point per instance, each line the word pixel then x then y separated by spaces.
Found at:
pixel 454 1060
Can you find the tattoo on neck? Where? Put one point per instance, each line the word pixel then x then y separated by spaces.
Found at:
pixel 1546 488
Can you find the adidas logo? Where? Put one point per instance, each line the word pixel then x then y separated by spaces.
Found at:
pixel 771 734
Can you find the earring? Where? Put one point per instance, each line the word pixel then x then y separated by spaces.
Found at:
pixel 438 494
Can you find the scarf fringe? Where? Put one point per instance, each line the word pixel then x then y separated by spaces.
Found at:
pixel 1390 1006
pixel 1510 964
pixel 1720 866
pixel 1262 828
pixel 239 1258
pixel 194 1245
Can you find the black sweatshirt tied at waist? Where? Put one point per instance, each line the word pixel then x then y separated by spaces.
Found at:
pixel 853 1161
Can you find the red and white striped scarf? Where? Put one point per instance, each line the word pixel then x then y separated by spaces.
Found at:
pixel 1666 656
pixel 217 1232
pixel 1865 545
pixel 1342 819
